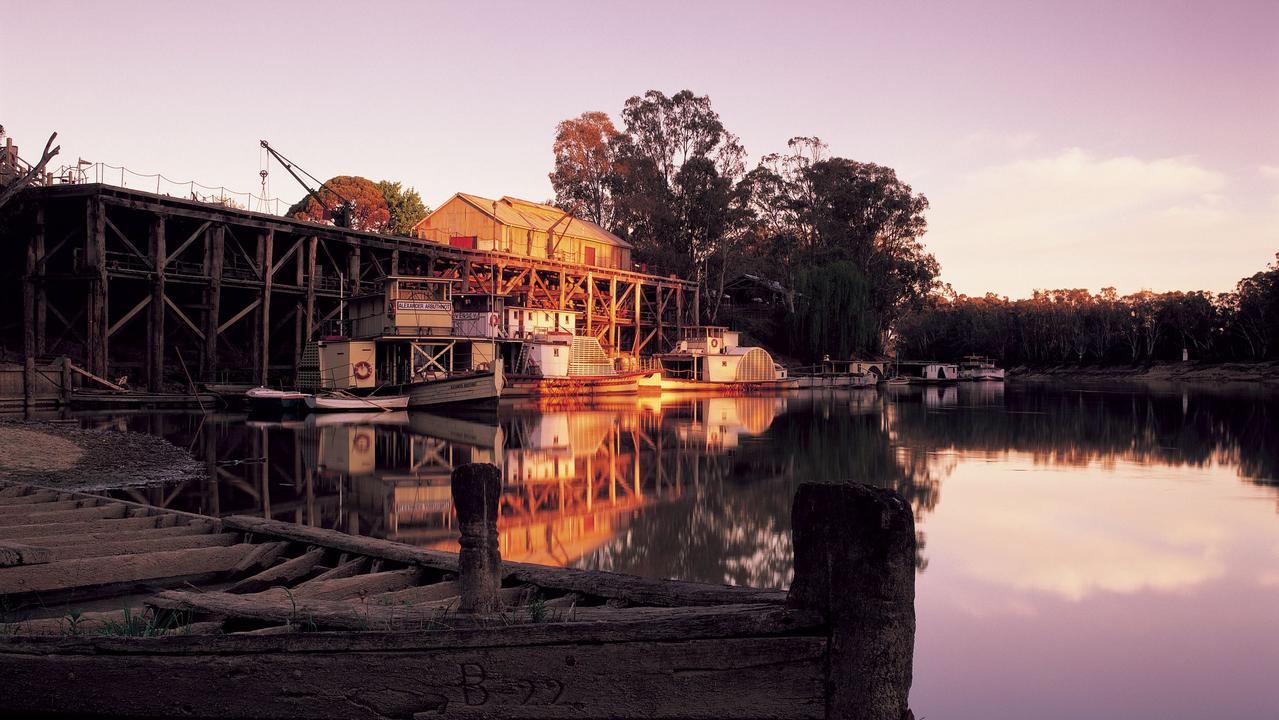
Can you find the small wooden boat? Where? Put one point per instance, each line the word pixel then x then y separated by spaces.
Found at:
pixel 115 609
pixel 339 402
pixel 479 388
pixel 270 400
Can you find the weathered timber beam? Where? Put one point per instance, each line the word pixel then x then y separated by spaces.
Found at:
pixel 85 572
pixel 187 243
pixel 183 317
pixel 144 302
pixel 627 679
pixel 280 261
pixel 253 305
pixel 132 248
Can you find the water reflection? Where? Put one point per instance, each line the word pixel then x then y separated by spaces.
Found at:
pixel 1074 519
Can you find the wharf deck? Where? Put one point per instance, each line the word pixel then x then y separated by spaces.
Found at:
pixel 121 609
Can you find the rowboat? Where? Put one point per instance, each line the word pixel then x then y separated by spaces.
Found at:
pixel 125 610
pixel 478 388
pixel 270 400
pixel 352 403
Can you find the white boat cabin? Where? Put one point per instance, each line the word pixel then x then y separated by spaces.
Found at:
pixel 710 353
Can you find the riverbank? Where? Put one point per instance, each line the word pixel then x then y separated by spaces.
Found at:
pixel 53 454
pixel 1191 372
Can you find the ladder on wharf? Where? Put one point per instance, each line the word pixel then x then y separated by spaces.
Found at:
pixel 123 610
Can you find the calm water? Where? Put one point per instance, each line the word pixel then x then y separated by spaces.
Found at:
pixel 1084 552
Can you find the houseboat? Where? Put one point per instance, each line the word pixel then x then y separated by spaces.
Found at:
pixel 402 340
pixel 976 367
pixel 839 373
pixel 711 358
pixel 922 371
pixel 549 358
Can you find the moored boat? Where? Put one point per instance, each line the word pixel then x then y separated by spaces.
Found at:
pixel 977 367
pixel 711 359
pixel 837 374
pixel 481 387
pixel 355 403
pixel 271 400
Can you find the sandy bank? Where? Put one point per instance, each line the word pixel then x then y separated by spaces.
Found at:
pixel 54 454
pixel 1190 372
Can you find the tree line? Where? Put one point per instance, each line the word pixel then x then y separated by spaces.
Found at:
pixel 841 236
pixel 1076 326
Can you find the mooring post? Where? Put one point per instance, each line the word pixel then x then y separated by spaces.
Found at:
pixel 855 563
pixel 476 487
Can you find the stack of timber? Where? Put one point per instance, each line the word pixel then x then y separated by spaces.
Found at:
pixel 123 610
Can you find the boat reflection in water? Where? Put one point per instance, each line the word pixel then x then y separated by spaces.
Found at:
pixel 575 476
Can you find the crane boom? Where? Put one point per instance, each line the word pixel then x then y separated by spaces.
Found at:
pixel 343 218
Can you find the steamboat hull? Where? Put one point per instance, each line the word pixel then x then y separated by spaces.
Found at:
pixel 728 388
pixel 529 386
pixel 472 389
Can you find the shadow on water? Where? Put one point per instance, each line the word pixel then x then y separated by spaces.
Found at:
pixel 698 489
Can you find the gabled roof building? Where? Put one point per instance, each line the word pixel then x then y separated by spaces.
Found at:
pixel 524 228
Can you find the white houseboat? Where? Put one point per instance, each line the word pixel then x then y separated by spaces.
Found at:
pixel 839 373
pixel 711 358
pixel 927 371
pixel 403 341
pixel 549 359
pixel 976 367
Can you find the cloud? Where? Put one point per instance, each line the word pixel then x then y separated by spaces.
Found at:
pixel 1073 218
pixel 1270 172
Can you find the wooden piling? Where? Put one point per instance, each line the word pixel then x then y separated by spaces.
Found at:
pixel 217 242
pixel 855 563
pixel 476 487
pixel 155 327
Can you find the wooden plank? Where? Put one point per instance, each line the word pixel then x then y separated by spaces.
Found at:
pixel 772 677
pixel 14 554
pixel 680 625
pixel 343 570
pixel 135 547
pixel 446 590
pixel 9 491
pixel 50 506
pixel 370 585
pixel 292 607
pixel 100 512
pixel 265 555
pixel 120 569
pixel 174 531
pixel 97 526
pixel 39 496
pixel 282 574
pixel 641 591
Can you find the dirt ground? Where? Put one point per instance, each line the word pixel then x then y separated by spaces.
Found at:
pixel 57 455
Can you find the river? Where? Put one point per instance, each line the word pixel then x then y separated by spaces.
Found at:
pixel 1084 551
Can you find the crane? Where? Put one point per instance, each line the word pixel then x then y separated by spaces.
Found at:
pixel 343 218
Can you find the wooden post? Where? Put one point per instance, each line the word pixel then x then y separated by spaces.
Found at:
pixel 310 287
pixel 95 257
pixel 395 262
pixel 267 240
pixel 612 313
pixel 476 487
pixel 29 328
pixel 217 243
pixel 697 305
pixel 639 327
pixel 41 292
pixel 155 334
pixel 590 304
pixel 66 380
pixel 353 270
pixel 855 563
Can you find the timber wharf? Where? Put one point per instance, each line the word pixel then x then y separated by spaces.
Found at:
pixel 133 611
pixel 128 282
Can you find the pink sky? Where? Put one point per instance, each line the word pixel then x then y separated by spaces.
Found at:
pixel 1072 144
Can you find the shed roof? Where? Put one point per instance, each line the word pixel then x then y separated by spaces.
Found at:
pixel 536 216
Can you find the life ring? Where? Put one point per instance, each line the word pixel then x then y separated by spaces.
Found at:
pixel 492 319
pixel 714 342
pixel 362 370
pixel 362 443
